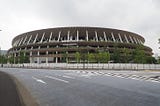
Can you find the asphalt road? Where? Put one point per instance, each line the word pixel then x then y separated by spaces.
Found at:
pixel 81 88
pixel 8 93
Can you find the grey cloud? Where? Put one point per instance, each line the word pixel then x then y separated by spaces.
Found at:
pixel 140 16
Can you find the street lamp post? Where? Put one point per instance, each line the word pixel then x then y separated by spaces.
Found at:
pixel 0 54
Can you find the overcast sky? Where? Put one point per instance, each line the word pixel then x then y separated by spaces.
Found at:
pixel 139 16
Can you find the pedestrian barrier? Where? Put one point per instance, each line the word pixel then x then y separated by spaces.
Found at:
pixel 100 66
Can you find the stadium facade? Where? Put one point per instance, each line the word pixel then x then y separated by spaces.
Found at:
pixel 50 45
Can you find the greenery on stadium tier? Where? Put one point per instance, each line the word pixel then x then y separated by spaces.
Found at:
pixel 118 55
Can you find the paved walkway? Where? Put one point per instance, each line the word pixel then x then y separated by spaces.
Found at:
pixel 8 92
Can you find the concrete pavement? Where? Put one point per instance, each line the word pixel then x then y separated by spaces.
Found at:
pixel 9 95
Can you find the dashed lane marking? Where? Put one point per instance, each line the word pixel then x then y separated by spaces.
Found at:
pixel 58 79
pixel 65 76
pixel 39 80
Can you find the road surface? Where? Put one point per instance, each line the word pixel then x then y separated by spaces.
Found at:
pixel 90 88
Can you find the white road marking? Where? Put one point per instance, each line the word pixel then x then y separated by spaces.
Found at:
pixel 134 77
pixel 152 81
pixel 51 77
pixel 65 76
pixel 39 80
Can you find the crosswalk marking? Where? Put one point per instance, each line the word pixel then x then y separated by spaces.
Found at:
pixel 126 76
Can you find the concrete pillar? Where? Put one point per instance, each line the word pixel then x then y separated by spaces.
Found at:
pixel 24 40
pixel 47 57
pixel 38 60
pixel 77 35
pixel 96 35
pixel 35 38
pixel 30 57
pixel 42 37
pixel 29 39
pixel 86 35
pixel 68 36
pixel 56 60
pixel 113 37
pixel 56 57
pixel 120 38
pixel 59 35
pixel 50 37
pixel 126 38
pixel 104 33
pixel 20 41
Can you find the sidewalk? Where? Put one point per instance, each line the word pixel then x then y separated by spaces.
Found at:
pixel 8 92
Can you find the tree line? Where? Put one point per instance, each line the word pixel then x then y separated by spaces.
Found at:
pixel 22 58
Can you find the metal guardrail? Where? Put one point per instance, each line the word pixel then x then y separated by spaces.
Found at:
pixel 100 66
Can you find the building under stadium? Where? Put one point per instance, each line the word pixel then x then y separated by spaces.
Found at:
pixel 50 45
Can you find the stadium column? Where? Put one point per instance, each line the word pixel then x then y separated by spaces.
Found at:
pixel 68 36
pixel 38 58
pixel 24 40
pixel 35 39
pixel 96 36
pixel 138 41
pixel 113 37
pixel 42 37
pixel 131 39
pixel 50 38
pixel 30 55
pixel 29 39
pixel 47 57
pixel 126 38
pixel 77 37
pixel 86 35
pixel 104 33
pixel 56 57
pixel 135 40
pixel 20 41
pixel 120 38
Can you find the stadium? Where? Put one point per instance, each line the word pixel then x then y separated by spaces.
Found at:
pixel 56 45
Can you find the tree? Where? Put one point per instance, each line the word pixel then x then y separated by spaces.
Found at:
pixel 126 55
pixel 139 55
pixel 100 57
pixel 116 57
pixel 65 57
pixel 3 59
pixel 91 57
pixel 11 59
pixel 106 57
pixel 151 60
pixel 23 58
pixel 77 56
pixel 159 60
pixel 83 57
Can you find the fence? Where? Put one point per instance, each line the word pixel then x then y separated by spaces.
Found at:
pixel 100 66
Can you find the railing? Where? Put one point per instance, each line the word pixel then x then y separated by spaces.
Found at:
pixel 100 66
